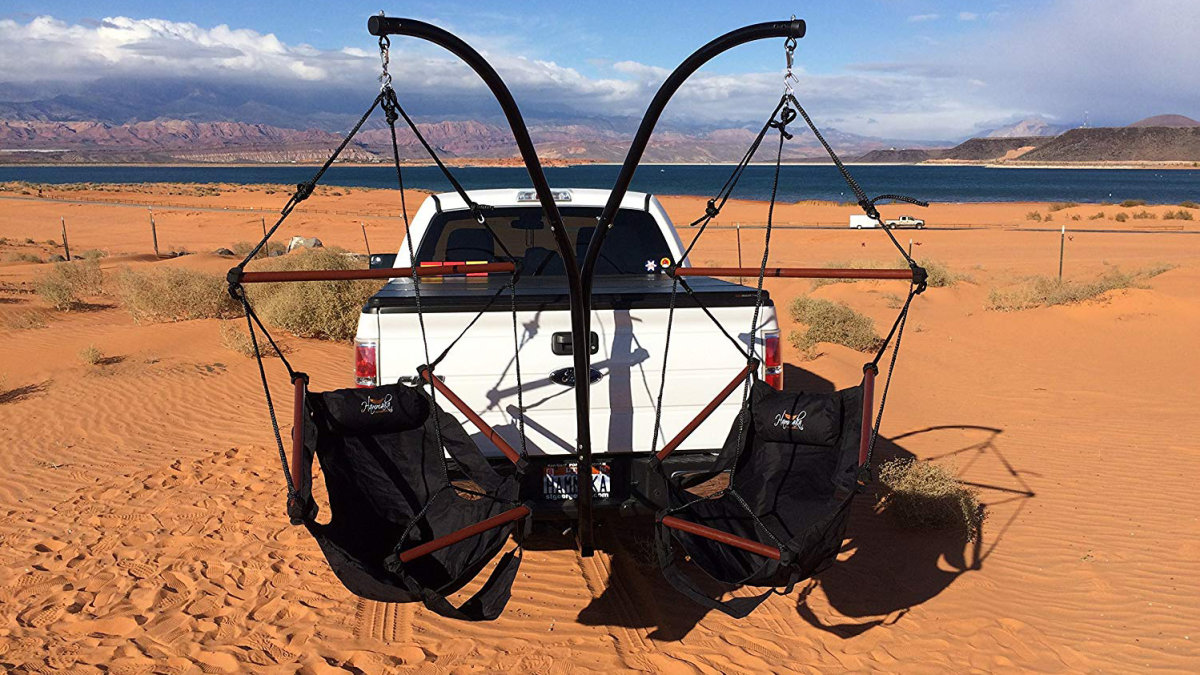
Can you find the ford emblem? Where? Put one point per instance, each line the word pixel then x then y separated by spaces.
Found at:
pixel 566 376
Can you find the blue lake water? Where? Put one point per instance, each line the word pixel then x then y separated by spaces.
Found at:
pixel 932 183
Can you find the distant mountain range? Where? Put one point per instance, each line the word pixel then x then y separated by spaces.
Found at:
pixel 163 122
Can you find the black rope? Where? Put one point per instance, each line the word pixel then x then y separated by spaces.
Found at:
pixel 491 301
pixel 867 205
pixel 716 322
pixel 303 190
pixel 714 205
pixel 662 382
pixel 262 373
pixel 391 107
pixel 898 330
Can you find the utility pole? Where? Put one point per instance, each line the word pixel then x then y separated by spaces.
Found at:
pixel 1062 247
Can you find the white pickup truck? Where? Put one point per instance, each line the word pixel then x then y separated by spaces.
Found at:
pixel 630 301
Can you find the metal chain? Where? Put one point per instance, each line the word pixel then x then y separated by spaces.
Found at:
pixel 385 57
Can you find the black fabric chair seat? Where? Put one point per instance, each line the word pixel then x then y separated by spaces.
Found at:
pixel 793 476
pixel 385 476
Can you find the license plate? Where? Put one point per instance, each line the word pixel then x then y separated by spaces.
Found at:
pixel 561 482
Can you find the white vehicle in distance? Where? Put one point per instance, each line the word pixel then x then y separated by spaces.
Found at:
pixel 860 222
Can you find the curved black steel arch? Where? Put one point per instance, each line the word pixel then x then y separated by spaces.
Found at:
pixel 579 277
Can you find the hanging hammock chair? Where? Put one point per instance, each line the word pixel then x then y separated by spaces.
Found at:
pixel 793 461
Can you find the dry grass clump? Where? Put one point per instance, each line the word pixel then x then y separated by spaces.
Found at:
pixel 1144 215
pixel 1059 206
pixel 1034 215
pixel 1097 216
pixel 1121 217
pixel 27 320
pixel 272 249
pixel 1046 291
pixel 1177 215
pixel 923 495
pixel 91 355
pixel 1189 205
pixel 832 322
pixel 236 338
pixel 65 285
pixel 25 258
pixel 1130 203
pixel 91 254
pixel 173 294
pixel 318 309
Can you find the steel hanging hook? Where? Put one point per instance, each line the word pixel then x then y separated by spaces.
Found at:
pixel 789 77
pixel 385 78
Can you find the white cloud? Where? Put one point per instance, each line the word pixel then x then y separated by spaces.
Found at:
pixel 921 18
pixel 927 91
pixel 967 16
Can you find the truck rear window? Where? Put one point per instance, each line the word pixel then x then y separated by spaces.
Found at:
pixel 635 245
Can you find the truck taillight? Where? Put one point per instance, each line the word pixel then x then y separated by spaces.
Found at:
pixel 365 365
pixel 772 360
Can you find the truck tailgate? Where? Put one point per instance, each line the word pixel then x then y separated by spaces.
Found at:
pixel 629 320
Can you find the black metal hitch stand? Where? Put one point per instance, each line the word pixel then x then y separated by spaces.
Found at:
pixel 579 277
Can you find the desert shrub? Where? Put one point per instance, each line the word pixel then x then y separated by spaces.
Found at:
pixel 236 337
pixel 318 309
pixel 1049 217
pixel 1189 205
pixel 1034 215
pixel 30 241
pixel 272 249
pixel 1144 215
pixel 923 495
pixel 1048 291
pixel 91 355
pixel 91 254
pixel 940 275
pixel 26 320
pixel 1121 217
pixel 892 301
pixel 1097 216
pixel 832 322
pixel 1059 206
pixel 25 258
pixel 1130 203
pixel 67 283
pixel 1177 215
pixel 51 242
pixel 173 294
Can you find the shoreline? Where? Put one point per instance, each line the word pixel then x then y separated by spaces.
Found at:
pixel 1173 165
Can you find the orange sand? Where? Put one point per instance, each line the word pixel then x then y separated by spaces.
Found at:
pixel 141 523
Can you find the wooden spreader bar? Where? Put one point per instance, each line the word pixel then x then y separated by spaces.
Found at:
pixel 382 273
pixel 706 412
pixel 722 537
pixel 793 273
pixel 488 432
pixel 868 385
pixel 465 533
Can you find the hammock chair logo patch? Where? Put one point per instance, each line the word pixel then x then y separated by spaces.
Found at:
pixel 374 406
pixel 791 422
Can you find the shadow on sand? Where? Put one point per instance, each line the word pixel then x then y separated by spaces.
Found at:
pixel 884 570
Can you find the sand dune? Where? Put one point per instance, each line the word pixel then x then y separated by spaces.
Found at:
pixel 141 509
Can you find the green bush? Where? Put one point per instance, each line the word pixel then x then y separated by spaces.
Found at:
pixel 923 495
pixel 173 294
pixel 832 322
pixel 318 309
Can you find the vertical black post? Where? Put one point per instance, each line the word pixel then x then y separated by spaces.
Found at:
pixel 66 246
pixel 366 241
pixel 1062 248
pixel 738 225
pixel 154 232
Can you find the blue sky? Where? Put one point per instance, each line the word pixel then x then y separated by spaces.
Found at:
pixel 907 69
